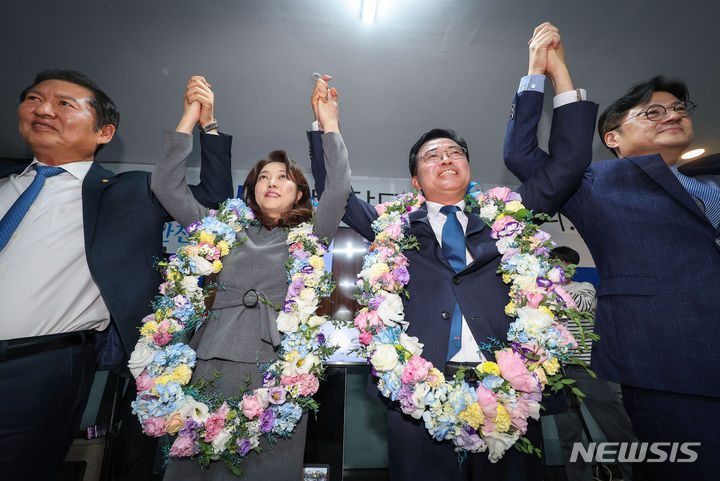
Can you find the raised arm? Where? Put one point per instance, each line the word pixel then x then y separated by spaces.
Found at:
pixel 550 178
pixel 184 203
pixel 324 147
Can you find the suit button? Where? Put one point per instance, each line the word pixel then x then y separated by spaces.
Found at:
pixel 456 281
pixel 717 241
pixel 445 315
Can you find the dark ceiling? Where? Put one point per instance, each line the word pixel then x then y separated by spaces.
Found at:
pixel 422 64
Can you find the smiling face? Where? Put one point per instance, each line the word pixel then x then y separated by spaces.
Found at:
pixel 275 192
pixel 445 181
pixel 637 135
pixel 58 123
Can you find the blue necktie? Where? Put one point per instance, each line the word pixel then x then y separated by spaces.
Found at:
pixel 453 246
pixel 17 211
pixel 708 195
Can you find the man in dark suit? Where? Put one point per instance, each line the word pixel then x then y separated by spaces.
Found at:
pixel 77 258
pixel 440 168
pixel 652 229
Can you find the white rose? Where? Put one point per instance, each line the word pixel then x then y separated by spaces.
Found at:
pixel 142 356
pixel 307 301
pixel 504 244
pixel 418 397
pixel 488 211
pixel 498 443
pixel 534 317
pixel 288 321
pixel 311 360
pixel 412 344
pixel 262 395
pixel 199 412
pixel 315 321
pixel 385 358
pixel 218 444
pixel 534 409
pixel 202 266
pixel 525 283
pixel 391 311
pixel 189 284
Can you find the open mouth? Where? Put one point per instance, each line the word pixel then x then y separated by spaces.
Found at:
pixel 272 194
pixel 448 172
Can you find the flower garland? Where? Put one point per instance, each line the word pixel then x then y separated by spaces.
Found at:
pixel 494 415
pixel 211 425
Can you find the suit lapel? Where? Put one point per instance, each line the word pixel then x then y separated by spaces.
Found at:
pixel 96 181
pixel 655 167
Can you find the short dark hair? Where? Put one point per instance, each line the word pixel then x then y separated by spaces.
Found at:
pixel 637 95
pixel 565 254
pixel 300 212
pixel 105 109
pixel 435 134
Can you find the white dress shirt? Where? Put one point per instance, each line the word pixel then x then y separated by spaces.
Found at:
pixel 469 348
pixel 45 281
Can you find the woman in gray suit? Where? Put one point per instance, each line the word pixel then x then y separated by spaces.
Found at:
pixel 241 332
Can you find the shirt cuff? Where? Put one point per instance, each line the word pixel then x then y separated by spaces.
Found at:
pixel 569 97
pixel 534 83
pixel 316 126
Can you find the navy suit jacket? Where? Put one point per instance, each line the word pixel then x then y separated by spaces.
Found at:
pixel 122 223
pixel 657 255
pixel 434 286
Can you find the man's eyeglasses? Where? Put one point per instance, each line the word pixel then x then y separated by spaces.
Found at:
pixel 656 112
pixel 434 156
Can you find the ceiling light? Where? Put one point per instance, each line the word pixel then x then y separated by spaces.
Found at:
pixel 691 154
pixel 369 8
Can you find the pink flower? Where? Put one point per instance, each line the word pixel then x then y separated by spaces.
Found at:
pixel 144 382
pixel 487 401
pixel 307 383
pixel 366 319
pixel 565 296
pixel 380 209
pixel 519 412
pixel 251 406
pixel 500 224
pixel 534 299
pixel 182 447
pixel 416 369
pixel 499 193
pixel 509 253
pixel 567 338
pixel 161 339
pixel 394 231
pixel 154 427
pixel 216 422
pixel 512 368
pixel 364 338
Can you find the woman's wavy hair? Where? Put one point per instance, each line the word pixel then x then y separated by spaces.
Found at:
pixel 300 212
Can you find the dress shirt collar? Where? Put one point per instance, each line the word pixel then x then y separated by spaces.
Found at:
pixel 77 169
pixel 433 208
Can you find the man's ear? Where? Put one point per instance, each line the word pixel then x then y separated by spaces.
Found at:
pixel 106 134
pixel 416 183
pixel 611 139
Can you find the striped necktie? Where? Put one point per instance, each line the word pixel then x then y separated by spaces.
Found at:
pixel 17 211
pixel 709 196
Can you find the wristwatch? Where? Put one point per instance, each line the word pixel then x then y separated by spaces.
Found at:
pixel 208 127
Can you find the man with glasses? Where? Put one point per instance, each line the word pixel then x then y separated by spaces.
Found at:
pixel 457 302
pixel 652 228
